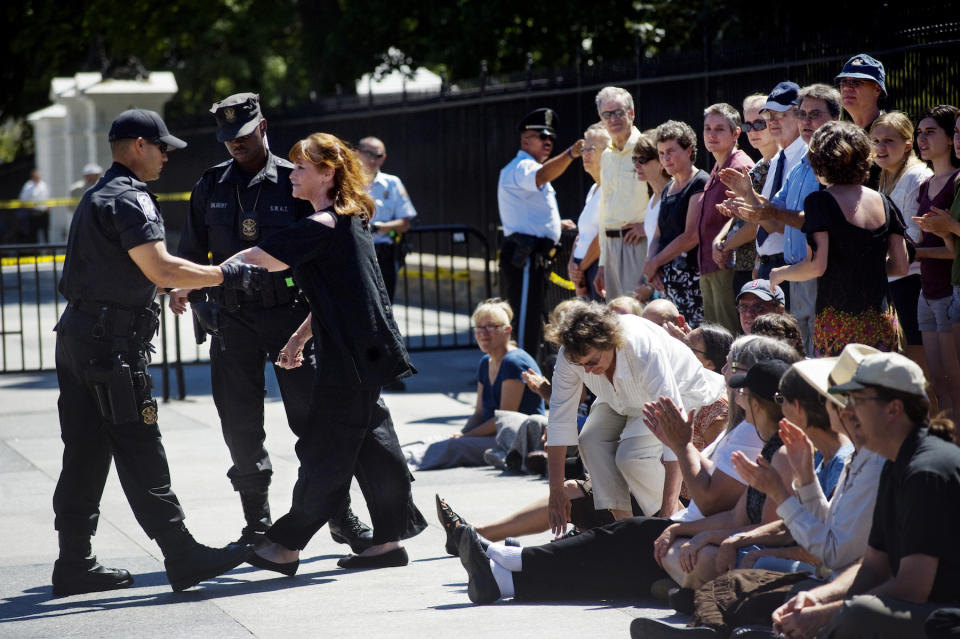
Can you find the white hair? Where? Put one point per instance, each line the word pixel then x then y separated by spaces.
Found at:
pixel 614 93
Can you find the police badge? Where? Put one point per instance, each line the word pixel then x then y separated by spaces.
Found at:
pixel 230 115
pixel 249 229
pixel 149 412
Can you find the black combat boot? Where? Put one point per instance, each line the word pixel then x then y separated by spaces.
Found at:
pixel 77 570
pixel 346 528
pixel 188 562
pixel 256 512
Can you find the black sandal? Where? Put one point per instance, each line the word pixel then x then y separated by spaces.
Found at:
pixel 452 525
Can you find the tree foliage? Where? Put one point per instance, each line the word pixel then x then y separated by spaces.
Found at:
pixel 293 51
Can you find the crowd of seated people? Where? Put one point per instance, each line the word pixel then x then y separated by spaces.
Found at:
pixel 802 479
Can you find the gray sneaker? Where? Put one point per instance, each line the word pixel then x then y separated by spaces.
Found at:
pixel 496 458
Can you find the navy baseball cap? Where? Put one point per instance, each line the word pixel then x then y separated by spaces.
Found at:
pixel 237 115
pixel 146 124
pixel 784 96
pixel 543 120
pixel 864 67
pixel 761 288
pixel 763 378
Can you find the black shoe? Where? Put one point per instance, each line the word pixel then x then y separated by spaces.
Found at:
pixel 451 522
pixel 289 569
pixel 198 563
pixel 643 628
pixel 753 632
pixel 348 529
pixel 681 600
pixel 77 577
pixel 481 586
pixel 251 538
pixel 391 559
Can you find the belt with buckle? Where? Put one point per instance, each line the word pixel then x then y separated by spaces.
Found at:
pixel 764 259
pixel 620 232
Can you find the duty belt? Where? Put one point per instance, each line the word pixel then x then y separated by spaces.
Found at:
pixel 111 321
pixel 277 289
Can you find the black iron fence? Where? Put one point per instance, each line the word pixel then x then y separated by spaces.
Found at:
pixel 447 271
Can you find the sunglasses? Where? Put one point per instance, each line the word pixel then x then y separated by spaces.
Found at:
pixel 372 154
pixel 757 125
pixel 816 114
pixel 639 159
pixel 160 145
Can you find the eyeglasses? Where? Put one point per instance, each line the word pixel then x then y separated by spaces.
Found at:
pixel 757 125
pixel 608 115
pixel 853 83
pixel 736 366
pixel 488 329
pixel 756 309
pixel 778 115
pixel 816 114
pixel 853 401
pixel 372 154
pixel 160 145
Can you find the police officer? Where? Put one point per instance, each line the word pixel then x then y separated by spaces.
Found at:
pixel 233 206
pixel 531 222
pixel 115 261
pixel 393 213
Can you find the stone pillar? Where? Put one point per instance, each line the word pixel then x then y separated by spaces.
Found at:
pixel 73 131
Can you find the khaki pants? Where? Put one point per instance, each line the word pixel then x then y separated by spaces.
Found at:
pixel 704 570
pixel 719 305
pixel 623 265
pixel 619 467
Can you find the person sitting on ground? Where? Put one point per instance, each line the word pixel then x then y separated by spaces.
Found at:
pixel 911 566
pixel 779 326
pixel 756 298
pixel 615 560
pixel 834 533
pixel 500 386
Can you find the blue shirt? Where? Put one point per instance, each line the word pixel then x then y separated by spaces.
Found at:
pixel 800 183
pixel 514 363
pixel 828 473
pixel 524 206
pixel 392 202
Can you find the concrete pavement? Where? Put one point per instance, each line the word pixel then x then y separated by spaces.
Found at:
pixel 426 598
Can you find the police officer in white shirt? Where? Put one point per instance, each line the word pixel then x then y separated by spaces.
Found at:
pixel 531 221
pixel 393 214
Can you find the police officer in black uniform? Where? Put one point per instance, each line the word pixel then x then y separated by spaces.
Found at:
pixel 115 261
pixel 235 205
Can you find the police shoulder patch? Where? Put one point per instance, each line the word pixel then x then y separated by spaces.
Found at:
pixel 148 207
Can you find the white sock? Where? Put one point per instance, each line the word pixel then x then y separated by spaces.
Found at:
pixel 507 556
pixel 504 579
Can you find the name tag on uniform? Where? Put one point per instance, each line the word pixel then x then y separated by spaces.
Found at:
pixel 217 205
pixel 278 208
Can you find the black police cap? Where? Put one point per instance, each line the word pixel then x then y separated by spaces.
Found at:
pixel 540 120
pixel 146 124
pixel 237 115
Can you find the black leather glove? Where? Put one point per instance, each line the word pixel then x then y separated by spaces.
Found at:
pixel 245 277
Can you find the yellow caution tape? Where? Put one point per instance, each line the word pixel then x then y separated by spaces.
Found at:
pixel 24 260
pixel 73 201
pixel 561 282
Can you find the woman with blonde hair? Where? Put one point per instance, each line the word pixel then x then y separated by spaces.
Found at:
pixel 902 174
pixel 359 350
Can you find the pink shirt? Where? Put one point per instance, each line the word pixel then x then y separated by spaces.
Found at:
pixel 709 220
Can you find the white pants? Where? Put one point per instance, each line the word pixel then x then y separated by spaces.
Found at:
pixel 621 466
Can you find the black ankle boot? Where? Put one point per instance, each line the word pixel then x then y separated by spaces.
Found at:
pixel 346 528
pixel 256 512
pixel 188 562
pixel 77 570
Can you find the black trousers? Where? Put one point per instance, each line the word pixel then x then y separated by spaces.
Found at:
pixel 352 434
pixel 614 561
pixel 91 442
pixel 251 336
pixel 387 259
pixel 511 288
